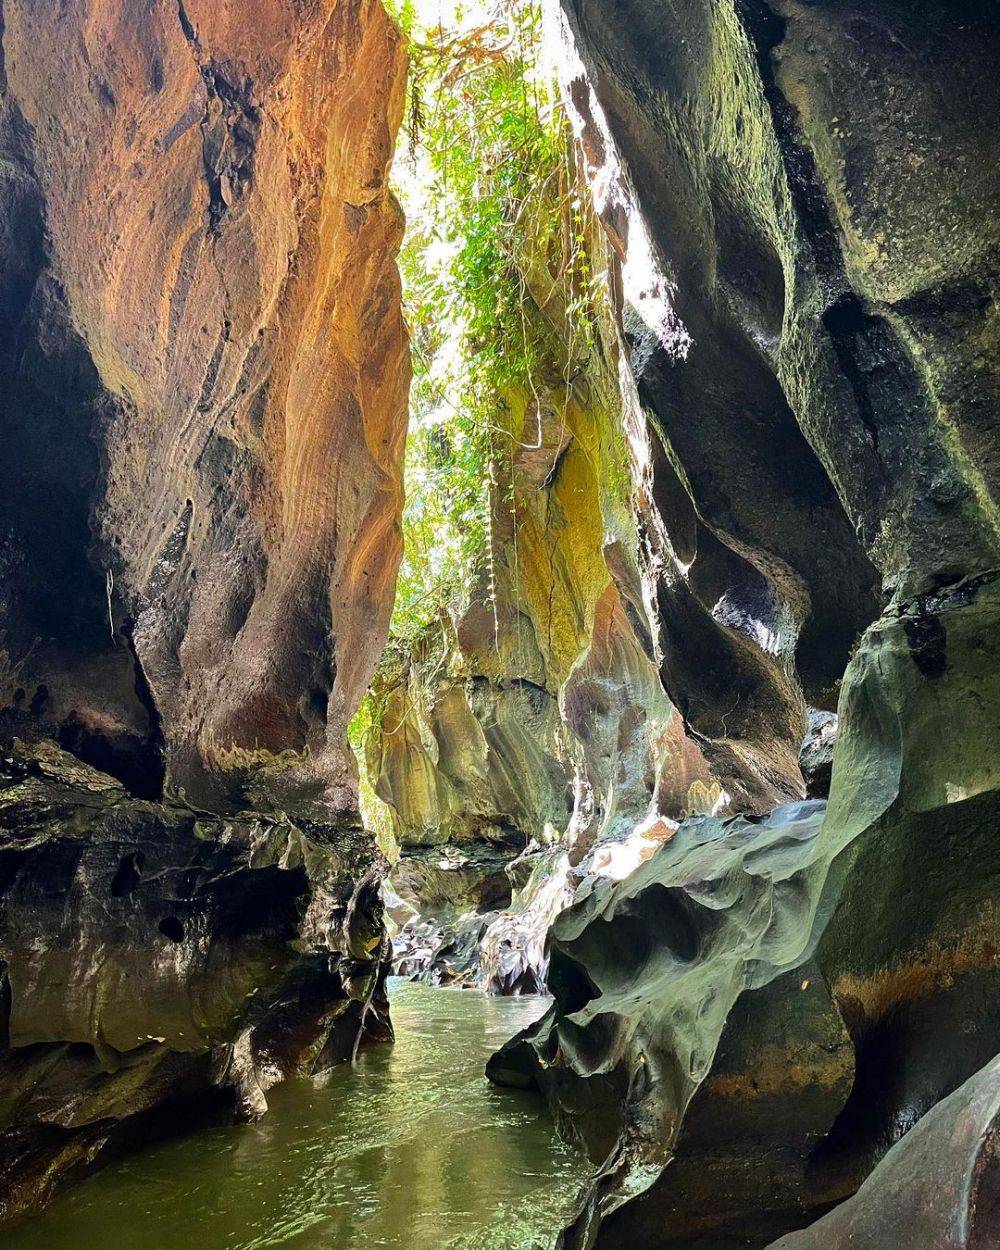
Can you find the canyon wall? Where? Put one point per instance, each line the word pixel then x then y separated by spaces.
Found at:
pixel 529 737
pixel 801 200
pixel 204 373
pixel 758 490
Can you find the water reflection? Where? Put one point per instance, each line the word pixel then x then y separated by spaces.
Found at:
pixel 413 1149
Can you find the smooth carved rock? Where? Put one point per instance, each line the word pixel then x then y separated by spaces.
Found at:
pixel 500 951
pixel 782 1072
pixel 537 716
pixel 160 968
pixel 204 374
pixel 938 1189
pixel 454 878
pixel 746 604
pixel 646 974
pixel 465 760
pixel 884 909
pixel 912 952
pixel 818 412
pixel 203 384
pixel 818 382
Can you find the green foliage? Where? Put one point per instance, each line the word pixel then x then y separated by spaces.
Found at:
pixel 483 174
pixel 482 138
pixel 375 814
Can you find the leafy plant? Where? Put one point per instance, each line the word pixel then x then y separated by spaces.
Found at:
pixel 484 178
pixel 482 137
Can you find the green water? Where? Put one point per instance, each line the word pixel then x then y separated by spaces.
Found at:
pixel 411 1149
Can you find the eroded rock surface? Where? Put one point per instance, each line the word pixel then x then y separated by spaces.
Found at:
pixel 203 381
pixel 535 724
pixel 204 375
pixel 162 968
pixel 747 1023
pixel 687 999
pixel 798 196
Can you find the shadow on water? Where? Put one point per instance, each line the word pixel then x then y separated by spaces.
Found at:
pixel 411 1149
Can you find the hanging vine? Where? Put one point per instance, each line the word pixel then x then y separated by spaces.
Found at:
pixel 483 176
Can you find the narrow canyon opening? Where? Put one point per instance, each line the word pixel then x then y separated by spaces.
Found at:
pixel 511 469
pixel 498 621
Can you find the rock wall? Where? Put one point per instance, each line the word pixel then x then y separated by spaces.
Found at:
pixel 799 197
pixel 203 392
pixel 204 378
pixel 537 718
pixel 937 1187
pixel 164 968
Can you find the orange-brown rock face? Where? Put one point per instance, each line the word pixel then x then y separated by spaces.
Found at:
pixel 204 376
pixel 203 385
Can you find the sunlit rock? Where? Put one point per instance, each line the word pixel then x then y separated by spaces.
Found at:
pixel 203 360
pixel 203 380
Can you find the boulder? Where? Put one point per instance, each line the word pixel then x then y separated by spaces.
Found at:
pixel 937 1189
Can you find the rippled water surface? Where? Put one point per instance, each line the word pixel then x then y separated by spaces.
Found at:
pixel 412 1149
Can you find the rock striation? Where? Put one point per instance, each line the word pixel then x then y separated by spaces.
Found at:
pixel 725 715
pixel 203 395
pixel 797 196
pixel 204 376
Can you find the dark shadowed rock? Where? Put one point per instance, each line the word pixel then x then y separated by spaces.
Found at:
pixel 728 1095
pixel 799 197
pixel 912 952
pixel 938 1189
pixel 450 879
pixel 686 998
pixel 163 968
pixel 816 753
pixel 501 951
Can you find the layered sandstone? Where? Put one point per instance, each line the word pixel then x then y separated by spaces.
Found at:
pixel 205 375
pixel 204 372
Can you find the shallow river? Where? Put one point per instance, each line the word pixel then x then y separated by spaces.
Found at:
pixel 411 1149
